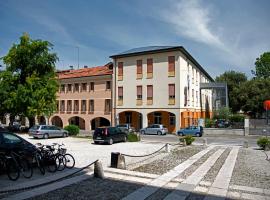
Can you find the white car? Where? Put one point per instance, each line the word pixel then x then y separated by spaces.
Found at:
pixel 157 129
pixel 46 131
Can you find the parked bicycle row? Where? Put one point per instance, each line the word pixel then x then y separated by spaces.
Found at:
pixel 19 157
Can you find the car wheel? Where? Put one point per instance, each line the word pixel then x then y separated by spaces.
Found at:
pixel 142 132
pixel 64 134
pixel 110 141
pixel 180 134
pixel 46 136
pixel 198 134
pixel 159 133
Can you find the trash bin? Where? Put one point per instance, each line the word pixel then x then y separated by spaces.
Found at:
pixel 114 159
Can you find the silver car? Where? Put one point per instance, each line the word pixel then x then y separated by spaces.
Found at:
pixel 127 128
pixel 158 129
pixel 46 131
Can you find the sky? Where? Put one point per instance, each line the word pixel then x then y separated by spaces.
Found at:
pixel 221 35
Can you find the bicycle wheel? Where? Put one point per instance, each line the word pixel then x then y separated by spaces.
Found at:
pixel 40 163
pixel 70 161
pixel 51 163
pixel 13 171
pixel 60 162
pixel 26 168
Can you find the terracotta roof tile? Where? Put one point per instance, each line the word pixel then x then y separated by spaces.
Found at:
pixel 92 71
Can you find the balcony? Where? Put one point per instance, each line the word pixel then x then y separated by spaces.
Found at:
pixel 149 101
pixel 120 102
pixel 171 101
pixel 120 77
pixel 139 102
pixel 139 76
pixel 149 75
pixel 171 74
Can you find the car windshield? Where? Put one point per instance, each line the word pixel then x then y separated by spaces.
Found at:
pixel 11 139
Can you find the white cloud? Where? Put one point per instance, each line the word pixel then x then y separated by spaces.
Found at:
pixel 190 19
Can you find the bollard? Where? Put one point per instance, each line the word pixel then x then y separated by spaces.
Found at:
pixel 204 141
pixel 167 148
pixel 121 164
pixel 245 144
pixel 114 159
pixel 184 142
pixel 98 170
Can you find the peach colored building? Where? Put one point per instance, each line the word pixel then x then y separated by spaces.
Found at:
pixel 84 98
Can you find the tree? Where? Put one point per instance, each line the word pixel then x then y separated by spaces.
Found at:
pixel 262 66
pixel 234 80
pixel 253 93
pixel 29 84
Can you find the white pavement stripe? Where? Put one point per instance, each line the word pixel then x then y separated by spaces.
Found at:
pixel 221 184
pixel 48 188
pixel 162 180
pixel 188 185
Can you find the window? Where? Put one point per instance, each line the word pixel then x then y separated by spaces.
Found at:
pixel 120 71
pixel 63 88
pixel 62 106
pixel 11 138
pixel 69 88
pixel 57 106
pixel 120 93
pixel 108 85
pixel 193 75
pixel 76 106
pixel 139 92
pixel 171 66
pixel 107 105
pixel 92 86
pixel 91 106
pixel 185 96
pixel 84 86
pixel 192 97
pixel 149 68
pixel 83 106
pixel 139 69
pixel 69 105
pixel 171 94
pixel 149 94
pixel 76 87
pixel 157 118
pixel 197 98
pixel 172 119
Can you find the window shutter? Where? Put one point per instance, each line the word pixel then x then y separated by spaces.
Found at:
pixel 139 66
pixel 120 91
pixel 171 90
pixel 149 65
pixel 120 68
pixel 149 91
pixel 171 61
pixel 139 90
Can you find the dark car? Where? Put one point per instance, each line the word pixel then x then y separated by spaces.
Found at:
pixel 109 135
pixel 11 141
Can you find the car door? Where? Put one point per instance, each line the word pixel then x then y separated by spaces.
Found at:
pixel 187 130
pixel 120 134
pixel 149 129
pixel 58 131
pixel 156 128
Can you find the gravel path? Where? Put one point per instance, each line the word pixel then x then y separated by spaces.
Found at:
pixel 251 169
pixel 167 163
pixel 93 188
pixel 212 173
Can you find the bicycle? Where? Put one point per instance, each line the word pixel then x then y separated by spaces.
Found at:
pixel 23 164
pixel 8 164
pixel 69 159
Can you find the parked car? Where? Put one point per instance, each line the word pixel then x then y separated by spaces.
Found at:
pixel 46 131
pixel 158 129
pixel 222 123
pixel 11 141
pixel 127 128
pixel 191 130
pixel 109 135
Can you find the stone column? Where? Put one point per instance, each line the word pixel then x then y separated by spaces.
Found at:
pixel 246 131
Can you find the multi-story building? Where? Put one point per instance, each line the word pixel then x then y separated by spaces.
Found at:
pixel 159 85
pixel 84 97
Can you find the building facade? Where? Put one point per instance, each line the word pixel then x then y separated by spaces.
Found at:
pixel 159 85
pixel 84 98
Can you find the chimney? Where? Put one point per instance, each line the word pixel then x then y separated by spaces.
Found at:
pixel 71 67
pixel 85 66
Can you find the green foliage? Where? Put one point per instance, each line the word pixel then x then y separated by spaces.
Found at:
pixel 222 113
pixel 28 86
pixel 253 93
pixel 262 66
pixel 237 118
pixel 188 138
pixel 72 129
pixel 263 142
pixel 133 137
pixel 209 123
pixel 234 80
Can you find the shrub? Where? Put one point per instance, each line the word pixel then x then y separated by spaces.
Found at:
pixel 72 129
pixel 209 123
pixel 237 118
pixel 222 113
pixel 188 138
pixel 133 137
pixel 263 142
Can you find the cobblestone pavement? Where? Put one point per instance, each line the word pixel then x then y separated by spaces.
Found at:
pixel 213 172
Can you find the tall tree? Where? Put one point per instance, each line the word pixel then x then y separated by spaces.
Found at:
pixel 262 66
pixel 234 80
pixel 31 67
